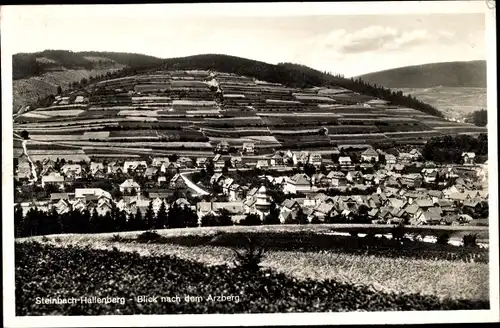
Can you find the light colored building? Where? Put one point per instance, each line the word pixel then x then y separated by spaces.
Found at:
pixel 129 185
pixel 369 155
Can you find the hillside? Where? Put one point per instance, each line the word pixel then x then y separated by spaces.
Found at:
pixel 450 74
pixel 288 74
pixel 294 75
pixel 190 112
pixel 37 75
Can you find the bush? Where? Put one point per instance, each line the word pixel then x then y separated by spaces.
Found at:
pixel 249 260
pixel 116 238
pixel 251 219
pixel 398 232
pixel 470 240
pixel 443 239
pixel 45 239
pixel 149 235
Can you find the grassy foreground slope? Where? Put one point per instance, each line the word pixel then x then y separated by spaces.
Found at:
pixel 449 74
pixel 47 271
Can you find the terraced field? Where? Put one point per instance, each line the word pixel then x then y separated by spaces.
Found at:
pixel 177 110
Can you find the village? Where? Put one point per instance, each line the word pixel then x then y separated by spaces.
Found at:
pixel 298 187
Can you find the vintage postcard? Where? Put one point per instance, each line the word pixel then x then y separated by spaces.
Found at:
pixel 249 164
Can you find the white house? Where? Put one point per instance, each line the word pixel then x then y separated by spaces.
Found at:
pixel 300 182
pixel 129 185
pixel 248 148
pixel 468 158
pixel 369 155
pixel 345 160
pixel 390 159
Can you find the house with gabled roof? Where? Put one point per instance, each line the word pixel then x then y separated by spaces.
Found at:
pixel 431 216
pixel 405 157
pixel 320 180
pixel 415 154
pixel 72 171
pixel 158 161
pixel 96 167
pixel 390 159
pixel 236 192
pixel 129 185
pixel 136 167
pixel 103 206
pixel 337 178
pixel 468 158
pixel 345 160
pixel 248 148
pixel 300 182
pixel 201 162
pixel 369 155
pixel 63 206
pixel 413 180
pixel 354 177
pixel 177 182
pixel 315 159
pixel 236 161
pixel 151 172
pixel 277 159
pixel 216 178
pixel 91 193
pixel 303 157
pixel 226 184
pixel 262 164
pixel 290 204
pixel 184 162
pixel 322 211
pixel 222 146
pixel 54 179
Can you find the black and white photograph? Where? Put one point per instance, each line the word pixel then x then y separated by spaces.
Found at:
pixel 182 160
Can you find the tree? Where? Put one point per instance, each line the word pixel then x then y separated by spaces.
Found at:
pixel 309 169
pixel 190 218
pixel 251 219
pixel 150 216
pixel 301 217
pixel 18 220
pixel 274 214
pixel 161 217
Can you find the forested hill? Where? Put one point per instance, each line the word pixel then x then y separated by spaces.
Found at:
pixel 294 75
pixel 25 65
pixel 450 74
pixel 291 75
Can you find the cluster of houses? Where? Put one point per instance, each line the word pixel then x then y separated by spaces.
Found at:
pixel 395 195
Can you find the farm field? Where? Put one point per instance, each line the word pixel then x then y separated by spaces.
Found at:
pixel 404 274
pixel 165 109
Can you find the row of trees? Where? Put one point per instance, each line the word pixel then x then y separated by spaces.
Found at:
pixel 478 117
pixel 449 149
pixel 38 222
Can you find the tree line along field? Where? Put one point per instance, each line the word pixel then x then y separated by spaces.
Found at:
pixel 192 108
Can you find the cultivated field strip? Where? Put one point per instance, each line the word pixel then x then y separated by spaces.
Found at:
pixel 129 112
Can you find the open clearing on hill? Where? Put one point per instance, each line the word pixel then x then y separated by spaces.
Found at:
pixel 451 100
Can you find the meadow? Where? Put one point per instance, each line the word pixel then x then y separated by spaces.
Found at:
pixel 309 278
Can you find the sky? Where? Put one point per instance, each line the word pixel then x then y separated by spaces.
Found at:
pixel 339 43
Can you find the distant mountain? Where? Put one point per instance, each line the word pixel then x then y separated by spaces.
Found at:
pixel 450 74
pixel 25 65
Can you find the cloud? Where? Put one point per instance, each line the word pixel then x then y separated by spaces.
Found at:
pixel 378 37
